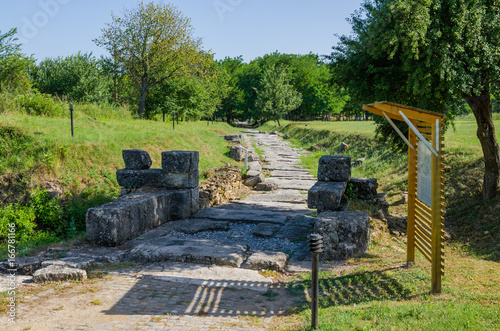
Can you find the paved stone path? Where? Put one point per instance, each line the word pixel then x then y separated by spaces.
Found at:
pixel 163 292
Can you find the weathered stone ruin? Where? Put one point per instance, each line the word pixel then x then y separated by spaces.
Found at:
pixel 345 233
pixel 222 184
pixel 150 197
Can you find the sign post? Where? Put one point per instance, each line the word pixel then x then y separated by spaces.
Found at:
pixel 425 222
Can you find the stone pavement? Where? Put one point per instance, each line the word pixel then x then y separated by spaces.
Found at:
pixel 162 291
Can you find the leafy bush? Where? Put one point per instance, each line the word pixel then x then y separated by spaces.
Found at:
pixel 7 102
pixel 39 104
pixel 48 211
pixel 22 216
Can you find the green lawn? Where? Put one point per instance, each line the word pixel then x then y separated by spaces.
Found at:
pixel 377 291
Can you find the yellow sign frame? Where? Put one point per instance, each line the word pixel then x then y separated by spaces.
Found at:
pixel 425 225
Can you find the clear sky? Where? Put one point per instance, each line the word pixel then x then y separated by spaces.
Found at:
pixel 251 28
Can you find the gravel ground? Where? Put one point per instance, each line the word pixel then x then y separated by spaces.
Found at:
pixel 241 233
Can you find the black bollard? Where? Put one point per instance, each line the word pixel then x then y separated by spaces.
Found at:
pixel 315 247
pixel 71 113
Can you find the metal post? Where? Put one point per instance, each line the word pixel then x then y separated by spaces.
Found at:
pixel 72 128
pixel 315 247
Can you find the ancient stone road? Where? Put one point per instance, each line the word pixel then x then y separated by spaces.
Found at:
pixel 170 295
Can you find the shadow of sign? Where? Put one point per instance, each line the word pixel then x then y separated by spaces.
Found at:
pixel 167 295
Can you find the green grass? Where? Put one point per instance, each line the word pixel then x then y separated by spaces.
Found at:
pixel 40 151
pixel 376 291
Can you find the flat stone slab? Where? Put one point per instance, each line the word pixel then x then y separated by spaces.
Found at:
pixel 292 174
pixel 191 251
pixel 23 265
pixel 278 206
pixel 193 226
pixel 248 216
pixel 265 230
pixel 283 166
pixel 267 260
pixel 288 184
pixel 58 273
pixel 286 209
pixel 278 196
pixel 76 262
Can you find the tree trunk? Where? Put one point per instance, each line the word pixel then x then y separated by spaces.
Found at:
pixel 144 94
pixel 278 122
pixel 481 107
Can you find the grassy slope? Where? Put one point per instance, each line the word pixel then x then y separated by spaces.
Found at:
pixel 37 150
pixel 378 292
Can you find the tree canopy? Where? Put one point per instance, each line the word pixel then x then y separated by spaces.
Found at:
pixel 432 54
pixel 14 65
pixel 154 43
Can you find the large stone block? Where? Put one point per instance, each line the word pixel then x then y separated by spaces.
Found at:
pixel 346 234
pixel 364 188
pixel 237 153
pixel 58 273
pixel 130 216
pixel 136 159
pixel 325 196
pixel 156 178
pixel 180 162
pixel 334 168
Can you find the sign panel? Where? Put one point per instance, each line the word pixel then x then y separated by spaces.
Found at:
pixel 424 174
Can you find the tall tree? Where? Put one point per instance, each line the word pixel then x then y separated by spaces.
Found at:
pixel 154 43
pixel 432 54
pixel 14 65
pixel 276 97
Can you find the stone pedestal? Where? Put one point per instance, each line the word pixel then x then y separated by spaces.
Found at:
pixel 334 168
pixel 346 234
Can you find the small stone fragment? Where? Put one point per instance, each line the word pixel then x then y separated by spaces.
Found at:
pixel 252 181
pixel 342 148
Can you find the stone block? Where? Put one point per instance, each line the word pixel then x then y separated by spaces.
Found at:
pixel 334 168
pixel 58 273
pixel 267 260
pixel 364 188
pixel 326 196
pixel 297 228
pixel 234 138
pixel 136 159
pixel 252 181
pixel 266 187
pixel 342 148
pixel 130 216
pixel 345 234
pixel 156 178
pixel 253 157
pixel 180 162
pixel 237 153
pixel 253 173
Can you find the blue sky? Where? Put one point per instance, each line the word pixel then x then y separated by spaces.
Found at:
pixel 251 28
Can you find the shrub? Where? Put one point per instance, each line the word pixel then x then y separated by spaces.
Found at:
pixel 7 102
pixel 39 104
pixel 22 216
pixel 48 211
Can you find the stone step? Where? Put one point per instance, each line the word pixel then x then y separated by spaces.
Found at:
pixel 283 166
pixel 192 251
pixel 293 174
pixel 289 208
pixel 288 184
pixel 288 196
pixel 247 216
